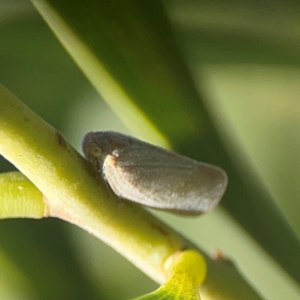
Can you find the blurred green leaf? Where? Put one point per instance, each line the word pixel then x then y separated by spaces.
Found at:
pixel 10 275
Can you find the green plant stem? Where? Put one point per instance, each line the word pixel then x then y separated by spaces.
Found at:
pixel 73 194
pixel 20 198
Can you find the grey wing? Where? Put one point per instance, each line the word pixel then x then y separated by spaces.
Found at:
pixel 161 179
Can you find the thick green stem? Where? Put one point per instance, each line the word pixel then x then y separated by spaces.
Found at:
pixel 20 198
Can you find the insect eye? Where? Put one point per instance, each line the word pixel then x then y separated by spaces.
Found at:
pixel 95 151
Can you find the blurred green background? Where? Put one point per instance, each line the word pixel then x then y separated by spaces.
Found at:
pixel 245 58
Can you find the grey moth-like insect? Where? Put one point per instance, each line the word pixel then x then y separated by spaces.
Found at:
pixel 153 176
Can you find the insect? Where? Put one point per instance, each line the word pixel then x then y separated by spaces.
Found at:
pixel 153 176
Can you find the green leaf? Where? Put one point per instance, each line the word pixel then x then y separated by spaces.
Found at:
pixel 12 274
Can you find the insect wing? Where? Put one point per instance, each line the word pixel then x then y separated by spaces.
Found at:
pixel 165 180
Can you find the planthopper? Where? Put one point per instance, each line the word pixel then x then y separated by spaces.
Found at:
pixel 153 176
